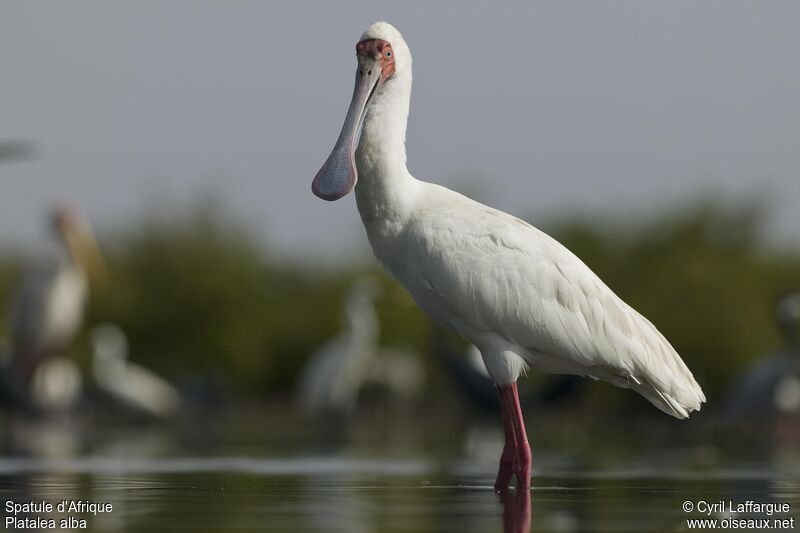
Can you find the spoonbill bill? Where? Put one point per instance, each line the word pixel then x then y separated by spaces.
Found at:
pixel 48 309
pixel 517 294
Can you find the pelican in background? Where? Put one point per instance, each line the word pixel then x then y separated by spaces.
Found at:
pixel 341 369
pixel 48 309
pixel 517 294
pixel 131 385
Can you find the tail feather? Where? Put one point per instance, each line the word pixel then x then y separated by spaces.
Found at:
pixel 678 404
pixel 684 396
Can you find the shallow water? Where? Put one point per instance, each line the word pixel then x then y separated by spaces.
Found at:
pixel 348 495
pixel 433 478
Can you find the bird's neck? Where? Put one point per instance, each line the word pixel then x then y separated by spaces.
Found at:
pixel 69 253
pixel 363 324
pixel 385 186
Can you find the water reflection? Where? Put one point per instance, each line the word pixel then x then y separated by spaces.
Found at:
pixel 516 511
pixel 230 472
pixel 339 494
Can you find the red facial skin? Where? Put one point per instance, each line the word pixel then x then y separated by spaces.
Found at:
pixel 381 51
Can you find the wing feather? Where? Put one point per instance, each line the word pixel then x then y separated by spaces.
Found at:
pixel 489 271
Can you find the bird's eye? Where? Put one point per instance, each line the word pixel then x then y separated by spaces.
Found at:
pixel 388 54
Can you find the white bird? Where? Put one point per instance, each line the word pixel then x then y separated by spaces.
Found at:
pixel 48 309
pixel 134 386
pixel 342 368
pixel 398 373
pixel 57 384
pixel 332 379
pixel 517 294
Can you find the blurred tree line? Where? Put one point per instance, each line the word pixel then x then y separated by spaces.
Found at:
pixel 200 297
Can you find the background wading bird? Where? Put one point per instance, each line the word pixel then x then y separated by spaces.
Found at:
pixel 333 377
pixel 771 384
pixel 132 386
pixel 514 292
pixel 336 374
pixel 47 311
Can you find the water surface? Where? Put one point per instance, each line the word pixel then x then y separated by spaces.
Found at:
pixel 285 479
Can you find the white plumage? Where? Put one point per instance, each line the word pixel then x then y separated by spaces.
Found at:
pixel 47 311
pixel 49 305
pixel 523 298
pixel 132 385
pixel 57 385
pixel 335 374
pixel 520 296
pixel 338 372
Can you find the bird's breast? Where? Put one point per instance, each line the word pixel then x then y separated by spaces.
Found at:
pixel 66 299
pixel 388 240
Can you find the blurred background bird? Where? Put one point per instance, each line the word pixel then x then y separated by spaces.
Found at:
pixel 771 384
pixel 353 361
pixel 47 311
pixel 334 375
pixel 132 387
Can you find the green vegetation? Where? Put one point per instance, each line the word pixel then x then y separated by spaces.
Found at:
pixel 198 296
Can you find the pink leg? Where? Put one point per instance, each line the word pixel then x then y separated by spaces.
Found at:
pixel 509 448
pixel 516 446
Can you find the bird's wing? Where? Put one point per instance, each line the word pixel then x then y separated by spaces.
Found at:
pixel 321 374
pixel 500 274
pixel 27 313
pixel 148 391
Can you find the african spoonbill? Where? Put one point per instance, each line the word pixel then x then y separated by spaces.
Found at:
pixel 517 294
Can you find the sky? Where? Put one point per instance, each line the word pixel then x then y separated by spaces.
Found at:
pixel 543 109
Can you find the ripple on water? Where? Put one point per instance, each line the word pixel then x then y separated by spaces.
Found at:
pixel 345 494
